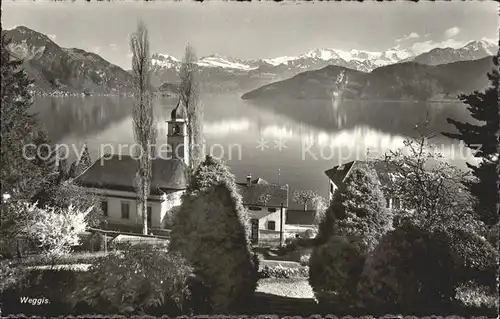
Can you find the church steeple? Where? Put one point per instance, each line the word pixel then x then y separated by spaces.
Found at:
pixel 177 138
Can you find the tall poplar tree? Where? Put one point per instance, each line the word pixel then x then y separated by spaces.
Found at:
pixel 143 118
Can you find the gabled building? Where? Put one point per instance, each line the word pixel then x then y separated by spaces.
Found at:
pixel 264 202
pixel 113 178
pixel 339 173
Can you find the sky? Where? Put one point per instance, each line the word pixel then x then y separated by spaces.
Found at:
pixel 257 29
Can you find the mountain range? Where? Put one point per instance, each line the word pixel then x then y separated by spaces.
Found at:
pixel 74 70
pixel 408 81
pixel 54 68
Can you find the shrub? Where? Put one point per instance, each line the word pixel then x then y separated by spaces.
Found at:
pixel 55 230
pixel 141 278
pixel 309 234
pixel 475 296
pixel 280 272
pixel 211 231
pixel 474 257
pixel 409 272
pixel 304 259
pixel 357 209
pixel 334 270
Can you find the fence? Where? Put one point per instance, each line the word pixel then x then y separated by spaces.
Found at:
pixel 269 238
pixel 116 237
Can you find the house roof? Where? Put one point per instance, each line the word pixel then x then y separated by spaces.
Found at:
pixel 259 188
pixel 339 173
pixel 118 173
pixel 300 217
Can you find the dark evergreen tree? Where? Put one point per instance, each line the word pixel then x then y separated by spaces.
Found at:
pixel 357 209
pixel 350 230
pixel 485 140
pixel 210 231
pixel 22 171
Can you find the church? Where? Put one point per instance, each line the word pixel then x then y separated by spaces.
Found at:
pixel 112 178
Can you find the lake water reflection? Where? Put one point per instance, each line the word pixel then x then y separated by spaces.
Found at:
pixel 314 135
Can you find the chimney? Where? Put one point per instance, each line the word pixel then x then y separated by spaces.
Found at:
pixel 249 180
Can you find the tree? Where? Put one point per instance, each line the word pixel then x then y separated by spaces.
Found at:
pixel 433 190
pixel 304 197
pixel 189 96
pixel 211 232
pixel 320 205
pixel 54 230
pixel 20 173
pixel 357 209
pixel 143 117
pixel 484 138
pixel 348 233
pixel 210 173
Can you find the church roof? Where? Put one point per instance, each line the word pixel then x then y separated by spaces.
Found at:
pixel 178 112
pixel 118 173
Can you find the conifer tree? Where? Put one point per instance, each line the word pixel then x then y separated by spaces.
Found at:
pixel 211 231
pixel 357 209
pixel 484 138
pixel 22 171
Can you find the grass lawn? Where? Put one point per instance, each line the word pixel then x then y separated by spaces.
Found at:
pixel 291 287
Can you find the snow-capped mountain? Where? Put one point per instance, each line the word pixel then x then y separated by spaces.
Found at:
pixel 56 68
pixel 164 61
pixel 286 66
pixel 246 73
pixel 473 50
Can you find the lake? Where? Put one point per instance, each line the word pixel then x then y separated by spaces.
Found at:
pixel 298 140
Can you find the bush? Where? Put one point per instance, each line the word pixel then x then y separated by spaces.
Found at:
pixel 211 230
pixel 357 209
pixel 309 234
pixel 295 243
pixel 304 260
pixel 334 270
pixel 475 259
pixel 409 272
pixel 475 296
pixel 141 278
pixel 54 230
pixel 280 272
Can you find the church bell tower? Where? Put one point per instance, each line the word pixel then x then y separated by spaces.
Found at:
pixel 177 137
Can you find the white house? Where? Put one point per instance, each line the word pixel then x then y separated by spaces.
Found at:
pixel 266 204
pixel 113 176
pixel 338 174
